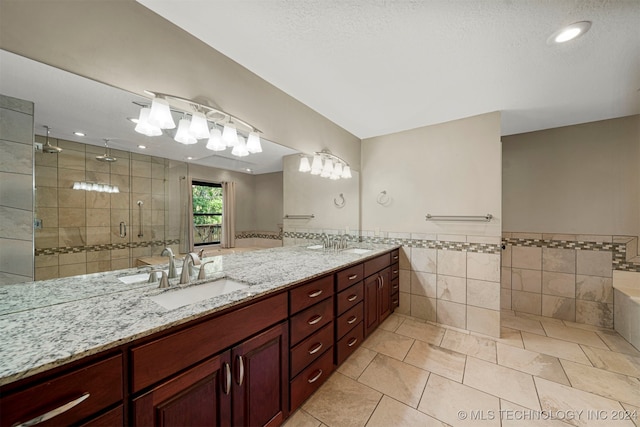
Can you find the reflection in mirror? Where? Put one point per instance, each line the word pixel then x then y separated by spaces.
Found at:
pixel 81 232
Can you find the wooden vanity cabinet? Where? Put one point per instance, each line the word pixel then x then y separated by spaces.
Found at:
pixel 395 279
pixel 377 292
pixel 79 395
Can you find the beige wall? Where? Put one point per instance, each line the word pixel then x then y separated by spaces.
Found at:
pixel 268 202
pixel 123 44
pixel 451 168
pixel 582 179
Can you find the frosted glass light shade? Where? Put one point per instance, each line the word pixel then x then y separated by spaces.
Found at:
pixel 143 126
pixel 199 127
pixel 230 135
pixel 183 136
pixel 160 114
pixel 337 171
pixel 215 142
pixel 240 149
pixel 327 169
pixel 304 165
pixel 346 172
pixel 316 165
pixel 253 143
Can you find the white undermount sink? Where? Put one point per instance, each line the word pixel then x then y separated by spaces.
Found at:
pixel 315 247
pixel 141 277
pixel 358 251
pixel 172 299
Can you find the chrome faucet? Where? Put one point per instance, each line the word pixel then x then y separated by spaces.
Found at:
pixel 190 259
pixel 164 282
pixel 172 265
pixel 202 273
pixel 326 241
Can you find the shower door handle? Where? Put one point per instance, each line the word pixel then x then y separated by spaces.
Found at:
pixel 123 229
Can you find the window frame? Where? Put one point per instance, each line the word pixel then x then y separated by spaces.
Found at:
pixel 201 183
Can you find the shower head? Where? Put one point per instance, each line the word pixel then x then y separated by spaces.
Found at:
pixel 106 157
pixel 47 147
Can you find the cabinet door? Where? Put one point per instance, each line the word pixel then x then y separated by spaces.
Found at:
pixel 198 397
pixel 384 307
pixel 371 291
pixel 260 366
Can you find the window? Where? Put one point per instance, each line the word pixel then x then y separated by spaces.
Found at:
pixel 207 212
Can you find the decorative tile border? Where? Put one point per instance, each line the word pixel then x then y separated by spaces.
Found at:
pixel 259 235
pixel 105 247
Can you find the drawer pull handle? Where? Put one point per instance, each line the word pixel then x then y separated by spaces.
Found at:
pixel 352 342
pixel 395 302
pixel 55 412
pixel 316 349
pixel 241 370
pixel 315 319
pixel 315 293
pixel 316 377
pixel 395 257
pixel 352 298
pixel 352 320
pixel 355 276
pixel 227 386
pixel 395 271
pixel 395 286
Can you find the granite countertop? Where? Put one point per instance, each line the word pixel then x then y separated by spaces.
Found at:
pixel 49 323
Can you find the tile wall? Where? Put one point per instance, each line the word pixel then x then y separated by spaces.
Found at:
pixel 81 229
pixel 449 279
pixel 566 276
pixel 16 190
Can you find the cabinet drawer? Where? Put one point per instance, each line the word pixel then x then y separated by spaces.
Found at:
pixel 349 297
pixel 395 270
pixel 349 320
pixel 395 255
pixel 114 417
pixel 101 382
pixel 349 276
pixel 311 348
pixel 374 265
pixel 395 285
pixel 349 343
pixel 310 379
pixel 309 294
pixel 165 356
pixel 310 320
pixel 395 300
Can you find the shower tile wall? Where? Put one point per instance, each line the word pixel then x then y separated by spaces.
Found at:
pixel 81 229
pixel 16 190
pixel 564 276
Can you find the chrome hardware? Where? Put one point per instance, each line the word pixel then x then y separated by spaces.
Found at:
pixel 316 377
pixel 202 274
pixel 123 229
pixel 315 293
pixel 482 218
pixel 172 265
pixel 227 387
pixel 316 349
pixel 355 276
pixel 140 233
pixel 352 320
pixel 164 281
pixel 352 342
pixel 241 370
pixel 352 298
pixel 314 319
pixel 153 276
pixel 53 413
pixel 189 259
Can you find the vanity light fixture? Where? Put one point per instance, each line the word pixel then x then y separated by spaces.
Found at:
pixel 325 164
pixel 569 32
pixel 195 124
pixel 94 186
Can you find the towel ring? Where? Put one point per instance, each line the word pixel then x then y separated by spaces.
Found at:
pixel 339 204
pixel 383 198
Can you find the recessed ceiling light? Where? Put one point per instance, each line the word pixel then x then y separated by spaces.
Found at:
pixel 79 133
pixel 189 158
pixel 133 119
pixel 142 147
pixel 569 32
pixel 249 170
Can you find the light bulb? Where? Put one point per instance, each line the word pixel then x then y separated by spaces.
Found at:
pixel 304 165
pixel 337 171
pixel 316 165
pixel 160 114
pixel 230 135
pixel 199 127
pixel 240 149
pixel 143 126
pixel 182 135
pixel 253 143
pixel 327 169
pixel 346 172
pixel 215 142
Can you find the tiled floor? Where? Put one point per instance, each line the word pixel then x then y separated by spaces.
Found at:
pixel 541 372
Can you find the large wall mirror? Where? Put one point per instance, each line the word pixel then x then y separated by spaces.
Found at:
pixel 80 232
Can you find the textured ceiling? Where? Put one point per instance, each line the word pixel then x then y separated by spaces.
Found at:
pixel 380 66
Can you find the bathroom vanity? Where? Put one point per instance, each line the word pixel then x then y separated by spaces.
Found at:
pixel 247 357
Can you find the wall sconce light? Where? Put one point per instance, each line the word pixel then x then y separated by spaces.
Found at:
pixel 326 165
pixel 158 116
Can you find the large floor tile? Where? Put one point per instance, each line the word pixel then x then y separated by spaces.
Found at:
pixel 554 347
pixel 511 337
pixel 616 343
pixel 439 360
pixel 531 362
pixel 632 413
pixel 355 365
pixel 301 419
pixel 607 384
pixel 390 412
pixel 613 361
pixel 453 403
pixel 513 415
pixel 522 324
pixel 421 331
pixel 557 398
pixel 579 336
pixel 500 381
pixel 388 343
pixel 472 345
pixel 392 322
pixel 342 402
pixel 396 379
